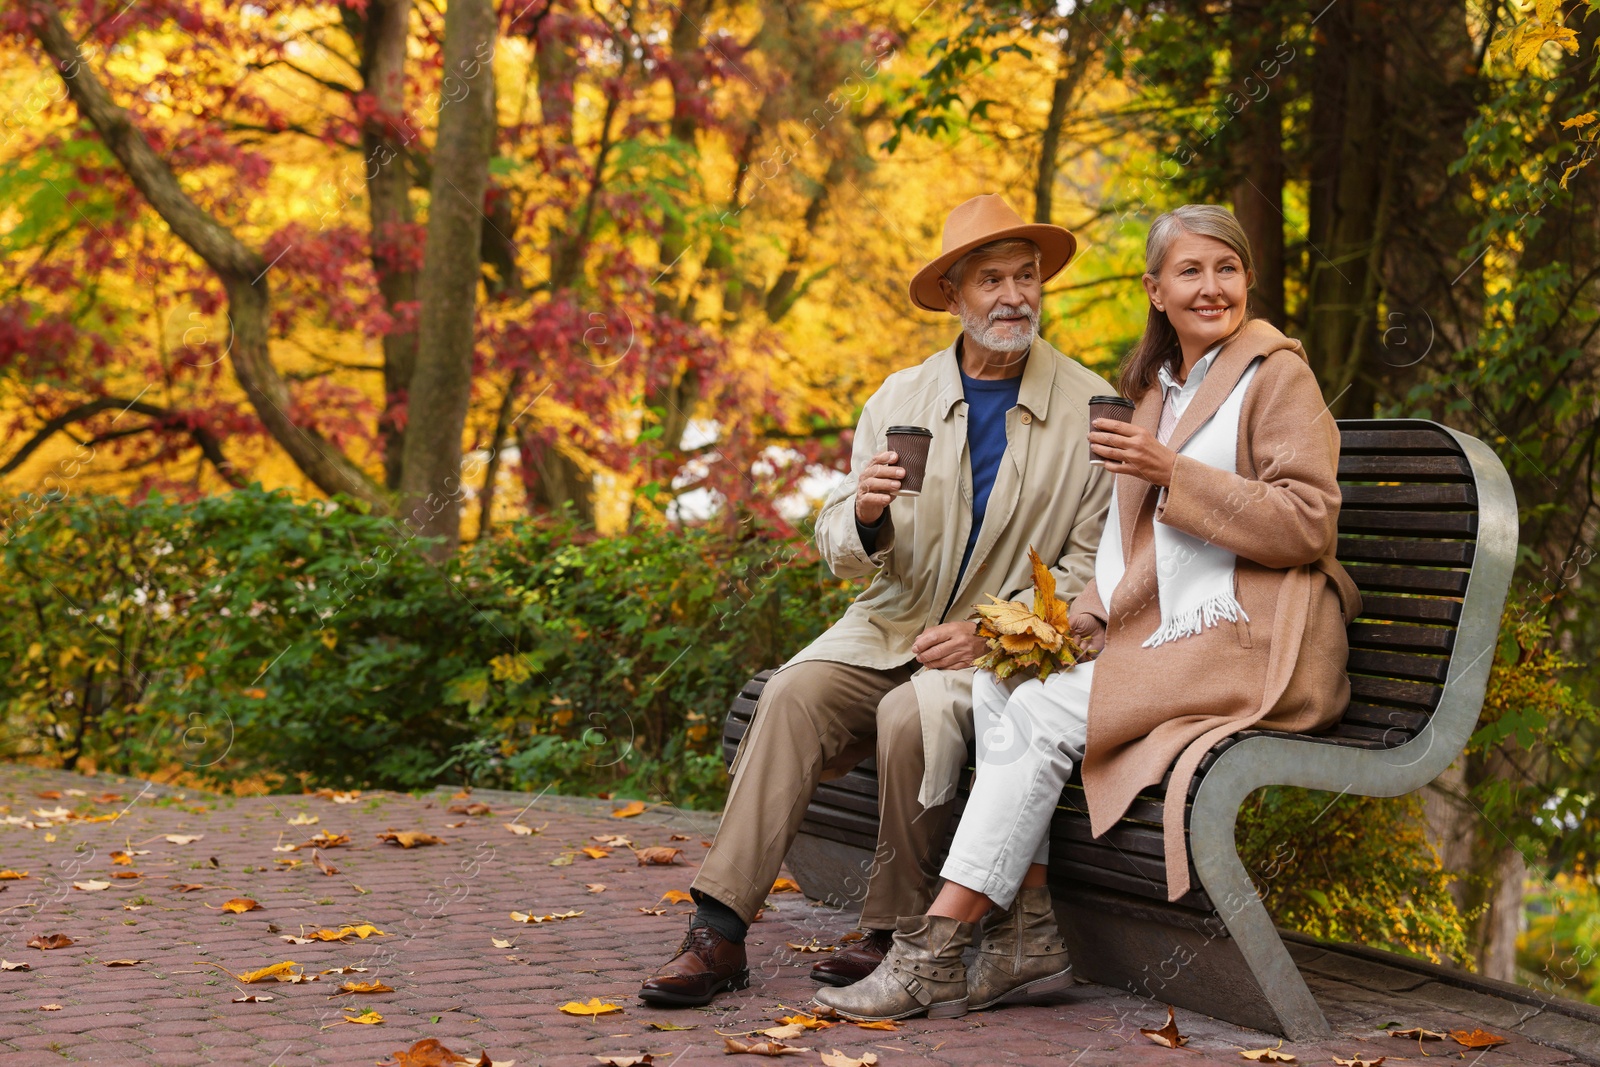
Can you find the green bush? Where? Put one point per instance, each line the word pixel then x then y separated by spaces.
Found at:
pixel 251 638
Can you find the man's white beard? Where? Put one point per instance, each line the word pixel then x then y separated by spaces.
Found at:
pixel 1000 338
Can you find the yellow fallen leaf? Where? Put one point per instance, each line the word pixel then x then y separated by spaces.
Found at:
pixel 677 896
pixel 183 839
pixel 345 933
pixel 366 1018
pixel 627 1059
pixel 123 963
pixel 595 887
pixel 596 853
pixel 811 946
pixel 277 970
pixel 305 819
pixel 49 1007
pixel 519 829
pixel 629 810
pixel 612 840
pixel 240 905
pixel 759 1048
pixel 7 876
pixel 886 1024
pixel 785 885
pixel 49 837
pixel 1420 1033
pixel 840 1059
pixel 92 886
pixel 660 856
pixel 1267 1055
pixel 7 965
pixel 375 986
pixel 253 998
pixel 523 917
pixel 810 1022
pixel 784 1033
pixel 670 1026
pixel 595 1006
pixel 409 838
pixel 500 942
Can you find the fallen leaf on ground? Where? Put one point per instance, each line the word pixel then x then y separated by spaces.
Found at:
pixel 57 812
pixel 76 793
pixel 277 970
pixel 629 810
pixel 671 1026
pixel 1357 1061
pixel 345 933
pixel 653 911
pixel 595 1006
pixel 1420 1034
pixel 612 840
pixel 183 839
pixel 810 1022
pixel 1478 1039
pixel 253 998
pixel 785 885
pixel 519 829
pixel 523 917
pixel 677 896
pixel 346 969
pixel 123 963
pixel 432 1053
pixel 1168 1035
pixel 240 905
pixel 678 837
pixel 49 1007
pixel 886 1024
pixel 323 865
pixel 455 825
pixel 595 887
pixel 305 819
pixel 122 858
pixel 1267 1055
pixel 299 979
pixel 48 941
pixel 293 940
pixel 759 1048
pixel 188 887
pixel 660 855
pixel 563 860
pixel 811 946
pixel 285 848
pixel 500 942
pixel 597 853
pixel 409 838
pixel 366 1018
pixel 7 876
pixel 375 986
pixel 841 1059
pixel 784 1033
pixel 109 798
pixel 7 965
pixel 126 874
pixel 92 886
pixel 49 794
pixel 625 1059
pixel 477 807
pixel 323 839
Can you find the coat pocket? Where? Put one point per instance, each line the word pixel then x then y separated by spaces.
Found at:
pixel 1242 628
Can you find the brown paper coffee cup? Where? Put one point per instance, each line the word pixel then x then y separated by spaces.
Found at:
pixel 1107 407
pixel 910 444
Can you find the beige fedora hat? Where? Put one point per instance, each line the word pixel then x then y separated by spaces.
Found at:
pixel 977 222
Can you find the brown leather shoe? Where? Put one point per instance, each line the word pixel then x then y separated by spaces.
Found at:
pixel 849 965
pixel 706 964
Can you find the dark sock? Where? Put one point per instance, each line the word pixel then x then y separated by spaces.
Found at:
pixel 709 911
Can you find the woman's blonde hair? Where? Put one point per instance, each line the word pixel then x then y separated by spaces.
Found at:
pixel 1159 345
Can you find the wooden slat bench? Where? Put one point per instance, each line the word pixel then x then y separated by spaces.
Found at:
pixel 1428 530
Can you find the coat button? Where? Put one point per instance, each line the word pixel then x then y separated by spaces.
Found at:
pixel 1026 418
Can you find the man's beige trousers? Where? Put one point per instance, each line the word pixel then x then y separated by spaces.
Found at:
pixel 818 719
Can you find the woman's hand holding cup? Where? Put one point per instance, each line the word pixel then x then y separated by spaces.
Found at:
pixel 879 483
pixel 1128 449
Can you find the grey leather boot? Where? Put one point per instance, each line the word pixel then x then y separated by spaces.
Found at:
pixel 1021 954
pixel 922 973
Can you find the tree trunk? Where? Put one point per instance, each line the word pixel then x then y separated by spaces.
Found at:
pixel 1349 135
pixel 243 272
pixel 1258 162
pixel 382 35
pixel 441 386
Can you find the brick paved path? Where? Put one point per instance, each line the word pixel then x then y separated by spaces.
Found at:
pixel 441 908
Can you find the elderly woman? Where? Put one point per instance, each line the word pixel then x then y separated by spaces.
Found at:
pixel 1217 605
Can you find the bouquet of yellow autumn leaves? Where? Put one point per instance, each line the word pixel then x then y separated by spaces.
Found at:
pixel 1028 639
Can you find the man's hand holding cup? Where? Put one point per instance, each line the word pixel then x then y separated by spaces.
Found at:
pixel 878 486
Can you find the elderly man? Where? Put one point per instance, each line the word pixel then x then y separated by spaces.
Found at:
pixel 1008 467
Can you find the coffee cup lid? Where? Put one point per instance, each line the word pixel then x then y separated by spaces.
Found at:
pixel 1110 400
pixel 922 430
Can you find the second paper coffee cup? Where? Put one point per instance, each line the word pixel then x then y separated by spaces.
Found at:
pixel 1107 407
pixel 911 444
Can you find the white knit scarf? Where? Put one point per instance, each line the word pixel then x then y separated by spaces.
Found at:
pixel 1194 578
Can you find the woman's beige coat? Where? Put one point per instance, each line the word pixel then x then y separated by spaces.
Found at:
pixel 1045 495
pixel 1284 669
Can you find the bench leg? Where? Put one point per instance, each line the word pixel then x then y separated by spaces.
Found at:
pixel 1233 894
